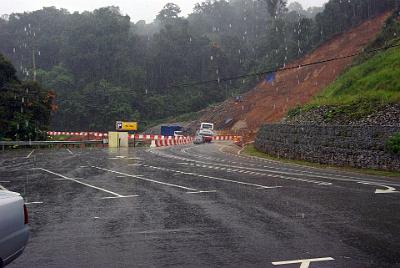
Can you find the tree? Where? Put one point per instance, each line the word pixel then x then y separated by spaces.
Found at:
pixel 169 13
pixel 25 107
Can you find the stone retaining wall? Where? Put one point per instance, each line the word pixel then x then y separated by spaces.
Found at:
pixel 355 146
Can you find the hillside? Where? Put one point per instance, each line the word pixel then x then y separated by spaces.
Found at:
pixel 367 93
pixel 269 102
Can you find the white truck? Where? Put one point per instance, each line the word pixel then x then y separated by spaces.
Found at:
pixel 206 131
pixel 14 230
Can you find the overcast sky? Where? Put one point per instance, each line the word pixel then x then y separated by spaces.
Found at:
pixel 136 9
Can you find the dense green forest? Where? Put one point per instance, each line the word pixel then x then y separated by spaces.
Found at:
pixel 104 67
pixel 25 107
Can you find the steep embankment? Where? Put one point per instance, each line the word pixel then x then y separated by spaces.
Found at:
pixel 270 102
pixel 368 93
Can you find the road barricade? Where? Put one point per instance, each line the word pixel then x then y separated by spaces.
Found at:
pixel 170 141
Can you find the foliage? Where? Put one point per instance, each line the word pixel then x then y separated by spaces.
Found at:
pixel 372 82
pixel 25 107
pixel 376 80
pixel 103 67
pixel 393 144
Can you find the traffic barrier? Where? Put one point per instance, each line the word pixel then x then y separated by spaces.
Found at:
pixel 226 138
pixel 171 141
pixel 58 133
pixel 162 140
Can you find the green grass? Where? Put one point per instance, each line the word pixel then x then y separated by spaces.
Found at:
pixel 250 150
pixel 372 82
pixel 363 88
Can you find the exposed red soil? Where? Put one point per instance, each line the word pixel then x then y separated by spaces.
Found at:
pixel 268 103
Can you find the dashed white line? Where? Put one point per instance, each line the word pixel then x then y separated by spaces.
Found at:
pixel 215 178
pixel 69 151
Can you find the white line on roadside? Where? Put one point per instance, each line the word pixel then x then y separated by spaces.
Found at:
pixel 29 155
pixel 145 179
pixel 4 181
pixel 201 192
pixel 214 178
pixel 69 151
pixel 83 183
pixel 3 188
pixel 268 172
pixel 33 203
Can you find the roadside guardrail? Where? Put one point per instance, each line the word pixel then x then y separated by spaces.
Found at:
pixel 4 144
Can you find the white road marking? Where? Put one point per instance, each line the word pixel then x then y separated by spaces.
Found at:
pixel 33 203
pixel 214 178
pixel 318 174
pixel 4 181
pixel 83 183
pixel 266 174
pixel 238 169
pixel 136 164
pixel 303 263
pixel 29 155
pixel 145 179
pixel 83 166
pixel 3 188
pixel 69 151
pixel 116 197
pixel 388 190
pixel 200 192
pixel 121 156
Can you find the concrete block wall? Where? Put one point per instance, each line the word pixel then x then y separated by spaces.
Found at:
pixel 341 145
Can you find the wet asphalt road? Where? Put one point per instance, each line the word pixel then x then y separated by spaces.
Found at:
pixel 198 206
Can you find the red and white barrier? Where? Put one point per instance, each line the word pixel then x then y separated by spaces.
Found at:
pixel 58 133
pixel 159 140
pixel 226 138
pixel 170 141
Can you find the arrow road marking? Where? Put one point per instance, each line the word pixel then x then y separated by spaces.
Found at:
pixel 388 190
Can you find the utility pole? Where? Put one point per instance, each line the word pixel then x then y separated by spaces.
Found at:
pixel 34 64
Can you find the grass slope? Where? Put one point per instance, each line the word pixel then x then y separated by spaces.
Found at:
pixel 372 82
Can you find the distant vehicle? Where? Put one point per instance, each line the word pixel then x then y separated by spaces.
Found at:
pixel 170 130
pixel 198 140
pixel 178 133
pixel 207 131
pixel 14 230
pixel 238 98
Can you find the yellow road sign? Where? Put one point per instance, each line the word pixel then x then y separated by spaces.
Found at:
pixel 120 125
